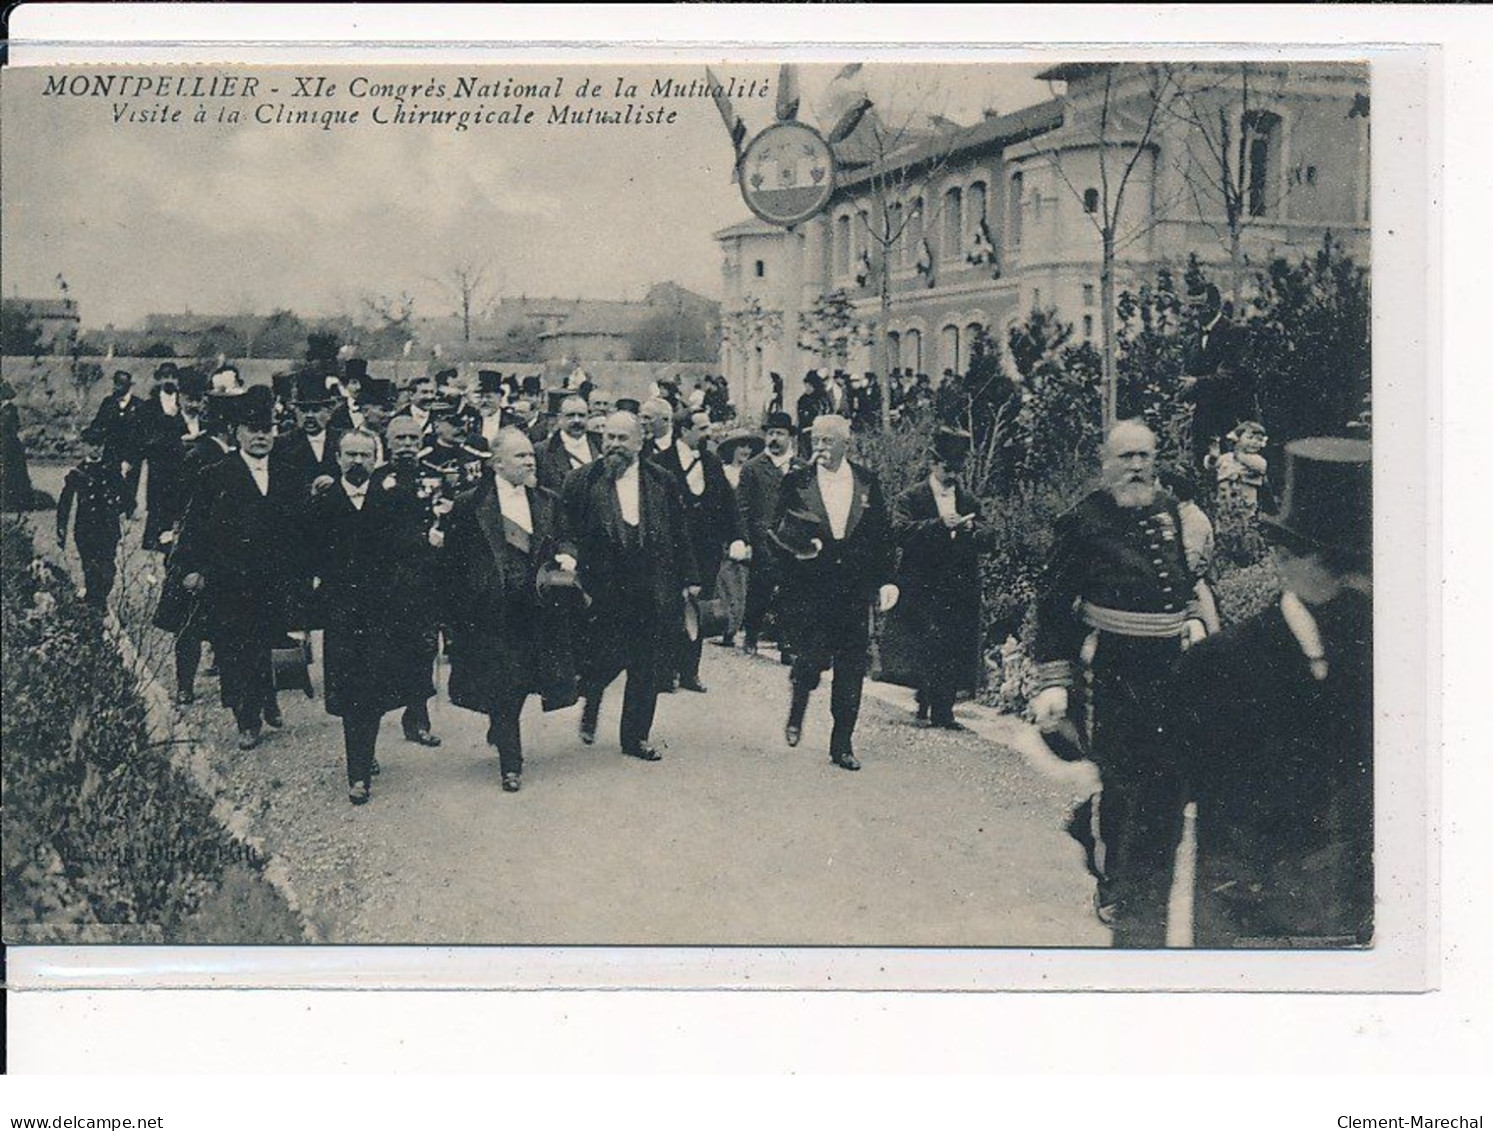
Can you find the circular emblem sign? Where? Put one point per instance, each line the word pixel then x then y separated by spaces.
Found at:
pixel 787 173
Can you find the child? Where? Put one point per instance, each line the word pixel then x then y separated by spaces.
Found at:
pixel 100 491
pixel 1241 472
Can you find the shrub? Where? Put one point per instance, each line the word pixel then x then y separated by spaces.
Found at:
pixel 1241 593
pixel 101 828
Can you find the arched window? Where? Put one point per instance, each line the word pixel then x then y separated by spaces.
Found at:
pixel 842 245
pixel 1016 205
pixel 976 204
pixel 953 223
pixel 1091 200
pixel 894 348
pixel 912 351
pixel 1259 150
pixel 862 236
pixel 972 334
pixel 894 227
pixel 949 348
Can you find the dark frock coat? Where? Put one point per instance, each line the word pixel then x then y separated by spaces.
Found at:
pixel 505 637
pixel 552 463
pixel 933 633
pixel 592 523
pixel 362 664
pixel 414 586
pixel 1281 766
pixel 825 602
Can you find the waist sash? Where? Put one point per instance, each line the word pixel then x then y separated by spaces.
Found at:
pixel 1123 622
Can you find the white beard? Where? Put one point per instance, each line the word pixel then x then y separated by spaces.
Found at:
pixel 1133 496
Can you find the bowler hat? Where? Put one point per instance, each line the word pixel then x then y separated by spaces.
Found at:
pixel 780 420
pixel 489 381
pixel 378 391
pixel 951 446
pixel 445 377
pixel 192 382
pixel 166 370
pixel 1328 501
pixel 728 446
pixel 705 617
pixel 532 385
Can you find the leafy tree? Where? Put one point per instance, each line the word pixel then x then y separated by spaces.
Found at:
pixel 221 339
pixel 322 346
pixel 829 329
pixel 676 335
pixel 20 334
pixel 282 334
pixel 158 349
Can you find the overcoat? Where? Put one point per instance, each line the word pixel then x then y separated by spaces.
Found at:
pixel 505 635
pixel 1281 766
pixel 552 463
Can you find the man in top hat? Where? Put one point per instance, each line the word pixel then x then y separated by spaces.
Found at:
pixel 834 534
pixel 570 447
pixel 97 487
pixel 1272 722
pixel 812 404
pixel 757 504
pixel 508 638
pixel 309 451
pixel 710 512
pixel 119 422
pixel 161 426
pixel 1214 376
pixel 938 526
pixel 735 451
pixel 1117 599
pixel 626 521
pixel 489 403
pixel 231 551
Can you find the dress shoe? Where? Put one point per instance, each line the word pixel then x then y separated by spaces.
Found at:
pixel 273 718
pixel 792 734
pixel 422 738
pixel 185 697
pixel 588 735
pixel 692 685
pixel 248 739
pixel 359 793
pixel 644 751
pixel 845 761
pixel 510 783
pixel 725 642
pixel 749 648
pixel 374 768
pixel 668 686
pixel 922 712
pixel 1105 911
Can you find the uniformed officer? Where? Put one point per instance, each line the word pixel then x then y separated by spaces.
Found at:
pixel 98 488
pixel 1117 599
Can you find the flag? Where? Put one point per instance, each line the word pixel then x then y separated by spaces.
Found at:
pixel 735 127
pixel 849 120
pixel 787 93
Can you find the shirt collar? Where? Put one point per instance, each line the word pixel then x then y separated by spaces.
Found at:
pixel 843 472
pixel 505 487
pixel 630 474
pixel 256 463
pixel 782 461
pixel 352 491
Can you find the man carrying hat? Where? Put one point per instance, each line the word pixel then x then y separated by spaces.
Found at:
pixel 835 535
pixel 231 551
pixel 1272 721
pixel 570 447
pixel 1117 600
pixel 509 635
pixel 939 528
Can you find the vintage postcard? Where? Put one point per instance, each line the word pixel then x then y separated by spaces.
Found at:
pixel 728 521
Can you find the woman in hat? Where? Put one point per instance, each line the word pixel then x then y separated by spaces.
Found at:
pixel 16 492
pixel 938 527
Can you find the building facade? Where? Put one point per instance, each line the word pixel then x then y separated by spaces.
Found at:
pixel 964 231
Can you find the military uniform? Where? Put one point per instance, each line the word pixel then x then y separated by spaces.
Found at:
pixel 1113 604
pixel 99 492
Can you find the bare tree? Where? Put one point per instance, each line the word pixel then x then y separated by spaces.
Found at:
pixel 1119 119
pixel 466 280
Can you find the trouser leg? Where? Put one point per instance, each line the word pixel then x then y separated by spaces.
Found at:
pixel 689 659
pixel 98 578
pixel 845 698
pixel 505 729
pixel 758 598
pixel 640 698
pixel 939 697
pixel 359 737
pixel 188 651
pixel 416 717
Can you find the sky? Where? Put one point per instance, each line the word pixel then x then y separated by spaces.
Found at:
pixel 143 217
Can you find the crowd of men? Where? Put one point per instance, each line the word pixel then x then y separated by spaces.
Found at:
pixel 552 543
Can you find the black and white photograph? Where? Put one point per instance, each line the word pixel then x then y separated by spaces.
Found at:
pixel 857 504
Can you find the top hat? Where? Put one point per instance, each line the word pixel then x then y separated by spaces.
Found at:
pixel 489 381
pixel 377 391
pixel 727 449
pixel 797 534
pixel 951 446
pixel 283 385
pixel 355 369
pixel 311 390
pixel 532 385
pixel 1328 501
pixel 556 397
pixel 779 420
pixel 191 383
pixel 123 377
pixel 254 407
pixel 560 586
